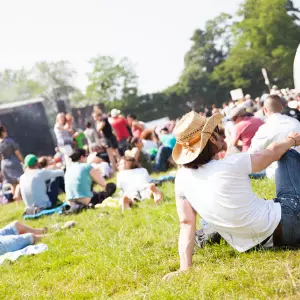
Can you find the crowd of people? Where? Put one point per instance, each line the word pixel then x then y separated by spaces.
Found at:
pixel 110 145
pixel 216 151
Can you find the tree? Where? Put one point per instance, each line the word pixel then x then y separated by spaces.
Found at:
pixel 17 85
pixel 209 49
pixel 111 80
pixel 57 77
pixel 267 36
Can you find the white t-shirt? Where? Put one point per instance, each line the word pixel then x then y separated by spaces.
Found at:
pixel 220 191
pixel 34 189
pixel 132 180
pixel 276 129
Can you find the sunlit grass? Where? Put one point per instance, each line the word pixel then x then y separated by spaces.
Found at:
pixel 125 256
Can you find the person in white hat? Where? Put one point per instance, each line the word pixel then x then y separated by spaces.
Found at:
pixel 220 190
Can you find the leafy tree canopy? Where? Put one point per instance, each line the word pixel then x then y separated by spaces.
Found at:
pixel 266 36
pixel 111 80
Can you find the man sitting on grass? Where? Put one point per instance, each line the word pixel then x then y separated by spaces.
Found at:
pixel 33 184
pixel 220 190
pixel 276 128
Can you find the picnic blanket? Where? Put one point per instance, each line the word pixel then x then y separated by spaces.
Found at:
pixel 162 179
pixel 29 250
pixel 46 212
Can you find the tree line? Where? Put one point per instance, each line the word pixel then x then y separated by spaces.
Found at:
pixel 228 53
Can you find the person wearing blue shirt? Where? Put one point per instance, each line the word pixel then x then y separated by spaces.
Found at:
pixel 33 184
pixel 79 178
pixel 164 152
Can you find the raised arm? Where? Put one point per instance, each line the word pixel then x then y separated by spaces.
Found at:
pixel 187 219
pixel 261 160
pixel 49 174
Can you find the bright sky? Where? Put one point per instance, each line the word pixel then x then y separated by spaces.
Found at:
pixel 154 34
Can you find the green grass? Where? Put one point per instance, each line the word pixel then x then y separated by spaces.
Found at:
pixel 125 256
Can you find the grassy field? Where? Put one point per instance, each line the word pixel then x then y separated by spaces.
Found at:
pixel 124 256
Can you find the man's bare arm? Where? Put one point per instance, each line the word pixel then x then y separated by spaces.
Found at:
pixel 187 218
pixel 273 152
pixel 101 126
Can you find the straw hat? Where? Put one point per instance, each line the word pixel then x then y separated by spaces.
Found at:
pixel 192 133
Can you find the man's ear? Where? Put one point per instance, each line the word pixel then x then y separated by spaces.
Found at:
pixel 265 110
pixel 213 139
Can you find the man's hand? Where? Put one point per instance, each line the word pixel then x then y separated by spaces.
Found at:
pixel 172 274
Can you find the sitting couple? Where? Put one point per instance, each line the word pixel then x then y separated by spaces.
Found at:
pixel 220 190
pixel 79 179
pixel 40 187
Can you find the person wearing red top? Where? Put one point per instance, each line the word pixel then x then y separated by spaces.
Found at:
pixel 119 124
pixel 137 127
pixel 245 127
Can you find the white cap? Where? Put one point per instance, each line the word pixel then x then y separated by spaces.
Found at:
pixel 293 104
pixel 114 112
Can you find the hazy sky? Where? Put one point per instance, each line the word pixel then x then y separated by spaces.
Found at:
pixel 154 34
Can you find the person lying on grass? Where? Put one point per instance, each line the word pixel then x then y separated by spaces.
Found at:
pixel 16 236
pixel 134 182
pixel 220 190
pixel 79 178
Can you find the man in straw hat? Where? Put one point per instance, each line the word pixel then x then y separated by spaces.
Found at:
pixel 220 190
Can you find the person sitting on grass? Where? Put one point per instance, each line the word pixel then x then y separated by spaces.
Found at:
pixel 99 163
pixel 54 185
pixel 277 127
pixel 33 184
pixel 136 151
pixel 134 182
pixel 163 157
pixel 220 190
pixel 16 236
pixel 79 178
pixel 149 142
